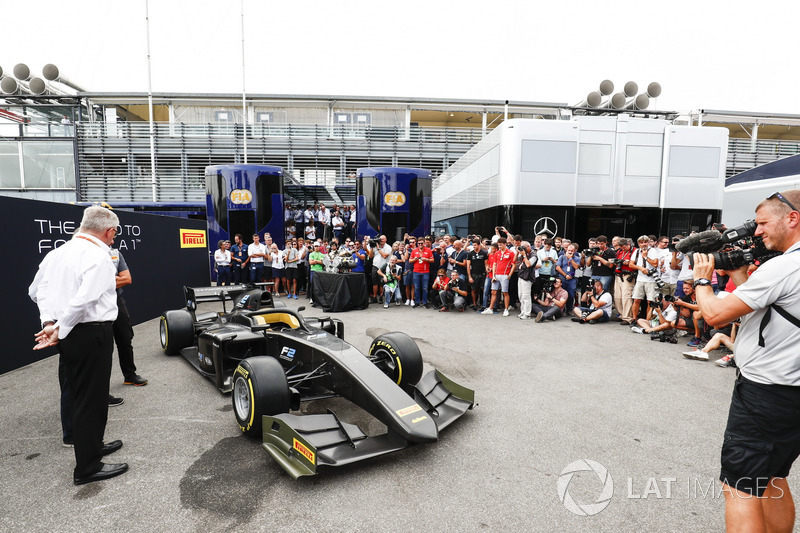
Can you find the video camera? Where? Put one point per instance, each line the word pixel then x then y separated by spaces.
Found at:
pixel 591 251
pixel 731 248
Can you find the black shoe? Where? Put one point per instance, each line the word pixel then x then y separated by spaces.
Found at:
pixel 106 472
pixel 113 401
pixel 576 319
pixel 593 321
pixel 136 380
pixel 373 300
pixel 67 444
pixel 111 447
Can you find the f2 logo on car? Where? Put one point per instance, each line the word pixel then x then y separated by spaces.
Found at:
pixel 287 353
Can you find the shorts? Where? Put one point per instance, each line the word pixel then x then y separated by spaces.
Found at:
pixel 290 273
pixel 376 278
pixel 276 273
pixel 408 278
pixel 267 271
pixel 604 318
pixel 762 438
pixel 645 290
pixel 500 281
pixel 478 281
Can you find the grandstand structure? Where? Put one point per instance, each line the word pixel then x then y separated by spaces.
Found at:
pixel 89 147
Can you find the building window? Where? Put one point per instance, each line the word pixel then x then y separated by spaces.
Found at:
pixel 362 119
pixel 223 116
pixel 265 117
pixel 341 119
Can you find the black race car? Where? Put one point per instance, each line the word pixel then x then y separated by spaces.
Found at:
pixel 272 358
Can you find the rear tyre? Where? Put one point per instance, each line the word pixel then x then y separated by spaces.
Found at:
pixel 398 356
pixel 176 331
pixel 259 388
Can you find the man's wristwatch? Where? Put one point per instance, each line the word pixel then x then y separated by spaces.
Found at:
pixel 702 282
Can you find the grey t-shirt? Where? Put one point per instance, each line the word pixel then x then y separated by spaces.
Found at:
pixel 778 362
pixel 119 263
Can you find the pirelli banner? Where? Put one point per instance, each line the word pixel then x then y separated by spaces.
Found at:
pixel 163 254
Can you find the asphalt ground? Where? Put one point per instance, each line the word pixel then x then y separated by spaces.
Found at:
pixel 548 395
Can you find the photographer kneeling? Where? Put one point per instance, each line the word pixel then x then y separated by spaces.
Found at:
pixel 762 438
pixel 454 294
pixel 552 306
pixel 600 309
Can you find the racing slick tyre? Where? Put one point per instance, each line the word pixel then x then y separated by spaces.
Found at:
pixel 259 388
pixel 398 356
pixel 176 331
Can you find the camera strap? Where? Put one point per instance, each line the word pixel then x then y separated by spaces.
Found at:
pixel 781 311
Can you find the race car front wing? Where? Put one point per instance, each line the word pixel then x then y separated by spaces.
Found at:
pixel 301 443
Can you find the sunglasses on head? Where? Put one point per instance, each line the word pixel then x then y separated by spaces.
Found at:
pixel 780 197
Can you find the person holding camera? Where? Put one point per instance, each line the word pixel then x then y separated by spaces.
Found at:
pixel 552 303
pixel 390 277
pixel 567 267
pixel 599 309
pixel 525 277
pixel 667 315
pixel 546 259
pixel 626 280
pixel 762 437
pixel 603 263
pixel 381 251
pixel 454 294
pixel 644 260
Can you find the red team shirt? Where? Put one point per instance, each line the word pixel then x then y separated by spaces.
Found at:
pixel 503 262
pixel 423 267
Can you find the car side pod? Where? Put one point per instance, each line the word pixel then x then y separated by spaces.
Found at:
pixel 302 443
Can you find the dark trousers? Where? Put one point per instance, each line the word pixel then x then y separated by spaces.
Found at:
pixel 86 357
pixel 123 338
pixel 236 274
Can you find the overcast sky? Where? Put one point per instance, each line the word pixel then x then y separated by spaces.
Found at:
pixel 732 55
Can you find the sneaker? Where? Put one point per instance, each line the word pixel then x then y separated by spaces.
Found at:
pixel 697 355
pixel 113 401
pixel 295 297
pixel 444 309
pixel 682 333
pixel 694 343
pixel 593 321
pixel 505 312
pixel 637 329
pixel 426 306
pixel 409 302
pixel 724 361
pixel 135 380
pixel 386 305
pixel 398 303
pixel 576 319
pixel 523 316
pixel 539 316
pixel 373 300
pixel 67 444
pixel 487 311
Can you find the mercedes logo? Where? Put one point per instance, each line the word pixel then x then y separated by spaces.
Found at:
pixel 545 225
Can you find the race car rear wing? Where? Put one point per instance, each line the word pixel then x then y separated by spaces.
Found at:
pixel 195 295
pixel 301 443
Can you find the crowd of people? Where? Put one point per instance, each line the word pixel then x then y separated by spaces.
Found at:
pixel 645 284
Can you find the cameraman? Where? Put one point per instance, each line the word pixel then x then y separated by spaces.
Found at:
pixel 454 293
pixel 600 308
pixel 762 438
pixel 643 260
pixel 551 306
pixel 567 268
pixel 546 261
pixel 603 263
pixel 626 280
pixel 525 277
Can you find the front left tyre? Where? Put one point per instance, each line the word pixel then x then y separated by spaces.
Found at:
pixel 398 356
pixel 259 388
pixel 176 331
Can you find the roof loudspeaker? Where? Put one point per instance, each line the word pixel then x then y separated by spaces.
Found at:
pixel 37 85
pixel 654 90
pixel 642 101
pixel 8 85
pixel 22 72
pixel 50 72
pixel 606 87
pixel 615 102
pixel 630 89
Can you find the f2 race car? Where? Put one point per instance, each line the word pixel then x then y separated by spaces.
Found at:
pixel 272 358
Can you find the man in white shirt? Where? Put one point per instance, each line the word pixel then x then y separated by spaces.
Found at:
pixel 75 290
pixel 257 253
pixel 379 260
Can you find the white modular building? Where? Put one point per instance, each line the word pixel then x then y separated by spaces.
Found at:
pixel 591 175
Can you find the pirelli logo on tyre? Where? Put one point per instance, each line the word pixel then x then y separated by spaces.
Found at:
pixel 193 238
pixel 304 451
